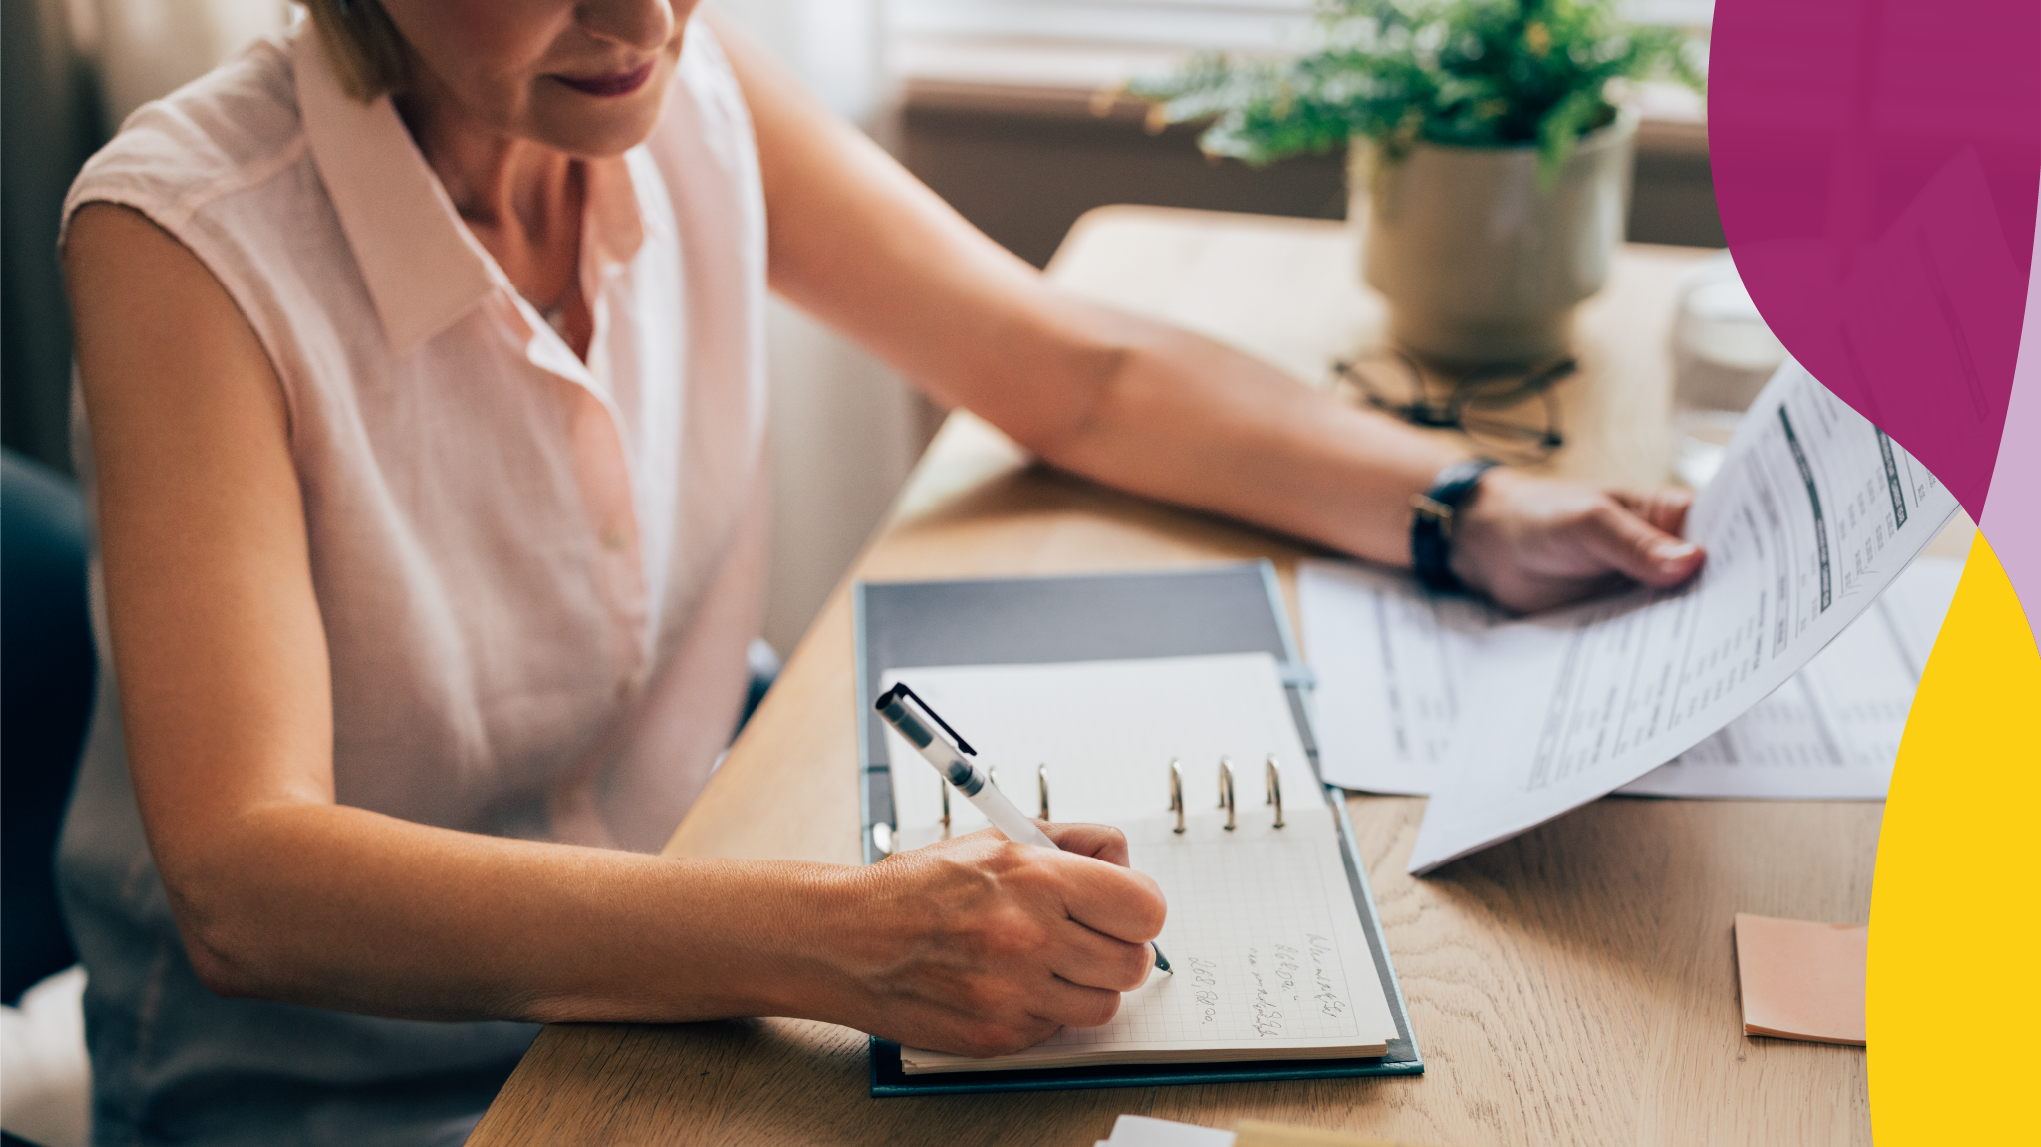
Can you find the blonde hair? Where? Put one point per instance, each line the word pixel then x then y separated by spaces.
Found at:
pixel 366 49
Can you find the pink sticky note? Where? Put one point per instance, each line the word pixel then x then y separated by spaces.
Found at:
pixel 1801 979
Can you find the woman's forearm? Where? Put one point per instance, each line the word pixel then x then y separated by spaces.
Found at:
pixel 1192 421
pixel 337 907
pixel 1184 419
pixel 975 945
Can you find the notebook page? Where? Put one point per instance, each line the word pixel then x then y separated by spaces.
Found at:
pixel 1106 732
pixel 1269 955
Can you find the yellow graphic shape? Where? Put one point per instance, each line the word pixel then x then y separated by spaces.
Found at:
pixel 1953 991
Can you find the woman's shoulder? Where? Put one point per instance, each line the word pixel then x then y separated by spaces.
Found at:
pixel 224 131
pixel 707 79
pixel 706 130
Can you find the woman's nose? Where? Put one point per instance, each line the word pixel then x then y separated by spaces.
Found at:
pixel 643 24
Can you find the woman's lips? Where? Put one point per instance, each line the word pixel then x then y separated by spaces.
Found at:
pixel 614 84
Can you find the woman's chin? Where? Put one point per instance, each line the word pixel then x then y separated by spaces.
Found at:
pixel 609 128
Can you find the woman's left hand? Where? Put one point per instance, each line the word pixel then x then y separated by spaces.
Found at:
pixel 1534 543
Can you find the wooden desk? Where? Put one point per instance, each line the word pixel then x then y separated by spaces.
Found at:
pixel 1576 985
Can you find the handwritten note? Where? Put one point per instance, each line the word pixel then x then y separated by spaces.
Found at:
pixel 1271 961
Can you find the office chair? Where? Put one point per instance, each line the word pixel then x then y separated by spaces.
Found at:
pixel 47 671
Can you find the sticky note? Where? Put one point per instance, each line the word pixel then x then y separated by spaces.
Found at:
pixel 1801 979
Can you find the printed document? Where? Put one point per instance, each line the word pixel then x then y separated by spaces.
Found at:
pixel 1815 511
pixel 1391 659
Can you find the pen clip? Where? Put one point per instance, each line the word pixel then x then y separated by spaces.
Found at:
pixel 900 690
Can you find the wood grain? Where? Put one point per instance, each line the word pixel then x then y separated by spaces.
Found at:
pixel 1575 985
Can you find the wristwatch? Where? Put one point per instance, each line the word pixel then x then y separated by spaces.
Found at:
pixel 1431 526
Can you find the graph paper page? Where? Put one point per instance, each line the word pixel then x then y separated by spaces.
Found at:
pixel 1104 732
pixel 1269 956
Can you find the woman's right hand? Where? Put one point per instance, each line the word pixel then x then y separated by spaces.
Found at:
pixel 1536 543
pixel 981 946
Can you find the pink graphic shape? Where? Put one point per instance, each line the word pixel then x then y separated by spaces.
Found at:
pixel 1877 164
pixel 2012 514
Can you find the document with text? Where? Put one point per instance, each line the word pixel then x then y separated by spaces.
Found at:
pixel 1815 511
pixel 1390 658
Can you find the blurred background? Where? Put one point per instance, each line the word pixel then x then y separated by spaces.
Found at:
pixel 1007 108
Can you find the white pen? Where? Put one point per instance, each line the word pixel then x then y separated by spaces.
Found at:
pixel 911 717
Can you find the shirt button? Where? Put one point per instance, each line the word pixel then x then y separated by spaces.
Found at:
pixel 614 538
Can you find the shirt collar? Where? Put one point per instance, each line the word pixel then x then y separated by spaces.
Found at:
pixel 424 269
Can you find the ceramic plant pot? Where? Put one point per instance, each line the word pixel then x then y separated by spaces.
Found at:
pixel 1479 264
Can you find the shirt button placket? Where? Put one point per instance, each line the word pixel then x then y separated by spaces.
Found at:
pixel 625 578
pixel 620 576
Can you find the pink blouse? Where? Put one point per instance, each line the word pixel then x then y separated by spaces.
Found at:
pixel 538 576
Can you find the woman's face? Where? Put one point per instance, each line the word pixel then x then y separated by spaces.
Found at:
pixel 586 77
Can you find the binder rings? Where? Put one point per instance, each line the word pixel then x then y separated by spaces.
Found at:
pixel 1233 609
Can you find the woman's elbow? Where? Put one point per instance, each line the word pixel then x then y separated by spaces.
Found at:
pixel 1061 418
pixel 221 954
pixel 223 936
pixel 221 974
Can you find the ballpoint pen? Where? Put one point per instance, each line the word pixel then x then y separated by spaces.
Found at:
pixel 951 755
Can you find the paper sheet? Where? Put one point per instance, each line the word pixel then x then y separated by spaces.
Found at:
pixel 1270 957
pixel 1832 731
pixel 1391 659
pixel 1268 954
pixel 1800 979
pixel 1814 512
pixel 1391 662
pixel 1144 1131
pixel 1106 732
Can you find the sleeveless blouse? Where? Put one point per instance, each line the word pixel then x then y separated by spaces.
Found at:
pixel 537 576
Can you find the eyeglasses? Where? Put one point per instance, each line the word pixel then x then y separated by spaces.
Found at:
pixel 1511 414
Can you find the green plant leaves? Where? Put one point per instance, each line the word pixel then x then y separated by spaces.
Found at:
pixel 1468 73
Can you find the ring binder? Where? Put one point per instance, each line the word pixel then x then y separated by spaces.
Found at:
pixel 1023 621
pixel 1275 783
pixel 1226 790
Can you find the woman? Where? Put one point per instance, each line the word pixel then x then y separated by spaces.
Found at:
pixel 421 357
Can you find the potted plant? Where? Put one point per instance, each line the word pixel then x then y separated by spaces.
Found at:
pixel 1489 161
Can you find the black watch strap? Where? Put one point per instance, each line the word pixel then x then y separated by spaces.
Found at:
pixel 1431 526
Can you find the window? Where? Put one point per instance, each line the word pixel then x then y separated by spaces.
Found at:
pixel 1092 44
